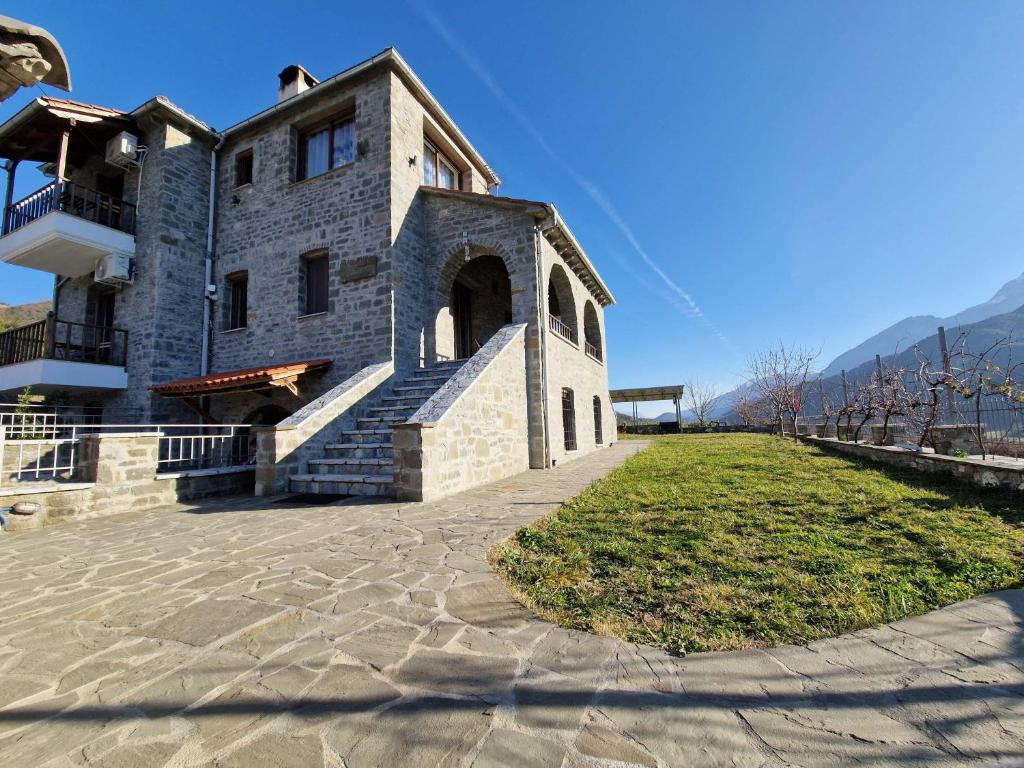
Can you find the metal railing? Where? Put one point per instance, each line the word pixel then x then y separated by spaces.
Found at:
pixel 593 350
pixel 38 446
pixel 200 450
pixel 563 330
pixel 73 199
pixel 53 339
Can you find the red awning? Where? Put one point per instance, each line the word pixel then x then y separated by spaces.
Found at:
pixel 245 380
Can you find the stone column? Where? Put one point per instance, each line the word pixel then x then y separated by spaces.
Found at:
pixel 123 467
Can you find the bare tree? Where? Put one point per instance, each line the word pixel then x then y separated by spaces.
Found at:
pixel 701 398
pixel 895 397
pixel 752 410
pixel 780 375
pixel 826 405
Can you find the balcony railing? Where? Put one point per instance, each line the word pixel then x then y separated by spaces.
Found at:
pixel 563 330
pixel 53 339
pixel 593 350
pixel 73 199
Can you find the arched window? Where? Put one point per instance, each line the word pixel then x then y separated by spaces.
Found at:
pixel 598 433
pixel 591 331
pixel 568 419
pixel 561 307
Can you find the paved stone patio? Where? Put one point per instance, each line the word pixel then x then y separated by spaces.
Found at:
pixel 254 634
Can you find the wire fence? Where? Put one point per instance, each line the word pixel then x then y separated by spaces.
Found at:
pixel 958 398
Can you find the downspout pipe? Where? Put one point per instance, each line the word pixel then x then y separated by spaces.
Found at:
pixel 542 332
pixel 208 298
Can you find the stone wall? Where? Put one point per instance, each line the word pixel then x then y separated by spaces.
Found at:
pixel 987 474
pixel 415 253
pixel 118 474
pixel 570 367
pixel 486 227
pixel 264 228
pixel 162 309
pixel 473 430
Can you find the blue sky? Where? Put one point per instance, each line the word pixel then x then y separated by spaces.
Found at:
pixel 740 173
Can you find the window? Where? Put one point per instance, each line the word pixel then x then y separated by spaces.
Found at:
pixel 438 170
pixel 328 146
pixel 568 419
pixel 598 436
pixel 243 168
pixel 315 271
pixel 238 300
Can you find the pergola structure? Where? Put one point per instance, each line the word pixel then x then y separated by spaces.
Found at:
pixel 648 394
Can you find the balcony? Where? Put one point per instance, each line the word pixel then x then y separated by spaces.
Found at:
pixel 563 330
pixel 62 355
pixel 64 228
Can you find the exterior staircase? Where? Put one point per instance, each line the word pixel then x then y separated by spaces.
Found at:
pixel 361 463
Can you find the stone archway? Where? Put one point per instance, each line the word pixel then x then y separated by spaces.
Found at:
pixel 561 304
pixel 477 305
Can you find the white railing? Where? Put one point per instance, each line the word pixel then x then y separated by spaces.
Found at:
pixel 563 330
pixel 592 350
pixel 198 450
pixel 36 446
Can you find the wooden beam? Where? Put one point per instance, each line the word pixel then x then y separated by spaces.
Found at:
pixel 62 154
pixel 194 405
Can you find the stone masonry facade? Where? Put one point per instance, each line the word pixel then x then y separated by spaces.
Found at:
pixel 401 257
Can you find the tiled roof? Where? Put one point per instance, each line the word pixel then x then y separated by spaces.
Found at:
pixel 240 380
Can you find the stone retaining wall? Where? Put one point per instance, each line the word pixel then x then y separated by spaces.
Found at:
pixel 987 474
pixel 118 474
pixel 473 430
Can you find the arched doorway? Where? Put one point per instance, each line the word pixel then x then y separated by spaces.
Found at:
pixel 480 304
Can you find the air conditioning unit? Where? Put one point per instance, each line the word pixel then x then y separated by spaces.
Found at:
pixel 113 269
pixel 122 150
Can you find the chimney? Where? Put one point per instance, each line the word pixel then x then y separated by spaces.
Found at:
pixel 294 80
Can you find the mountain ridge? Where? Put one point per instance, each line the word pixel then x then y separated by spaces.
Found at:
pixel 904 333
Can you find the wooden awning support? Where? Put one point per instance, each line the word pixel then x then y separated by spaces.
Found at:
pixel 263 379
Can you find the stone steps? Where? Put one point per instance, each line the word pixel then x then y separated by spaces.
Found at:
pixel 344 485
pixel 358 450
pixel 350 466
pixel 362 461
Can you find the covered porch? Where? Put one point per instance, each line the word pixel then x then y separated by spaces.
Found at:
pixel 634 395
pixel 69 224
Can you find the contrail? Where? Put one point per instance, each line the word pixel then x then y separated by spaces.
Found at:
pixel 685 304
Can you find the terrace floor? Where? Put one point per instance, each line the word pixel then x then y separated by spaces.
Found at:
pixel 247 633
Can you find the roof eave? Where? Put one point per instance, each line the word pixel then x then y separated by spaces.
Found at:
pixel 172 110
pixel 556 222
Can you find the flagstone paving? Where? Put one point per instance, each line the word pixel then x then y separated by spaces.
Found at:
pixel 245 633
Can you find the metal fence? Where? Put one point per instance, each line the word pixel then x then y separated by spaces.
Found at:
pixel 40 445
pixel 975 397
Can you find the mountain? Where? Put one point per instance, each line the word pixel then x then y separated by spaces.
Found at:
pixel 902 335
pixel 13 316
pixel 979 336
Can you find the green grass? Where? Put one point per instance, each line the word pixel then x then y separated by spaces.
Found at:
pixel 722 541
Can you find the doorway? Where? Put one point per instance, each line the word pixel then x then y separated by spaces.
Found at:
pixel 480 304
pixel 462 317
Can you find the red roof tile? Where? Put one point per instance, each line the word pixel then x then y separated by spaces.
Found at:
pixel 263 374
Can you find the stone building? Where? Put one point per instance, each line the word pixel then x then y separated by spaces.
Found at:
pixel 337 269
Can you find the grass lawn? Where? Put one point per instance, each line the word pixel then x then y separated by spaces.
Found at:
pixel 721 541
